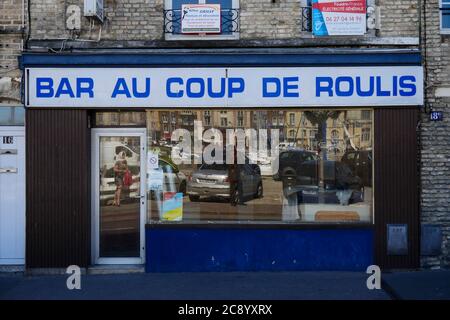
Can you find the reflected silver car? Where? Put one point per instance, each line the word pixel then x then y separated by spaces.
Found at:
pixel 211 180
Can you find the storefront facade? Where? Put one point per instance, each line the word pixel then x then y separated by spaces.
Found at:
pixel 119 169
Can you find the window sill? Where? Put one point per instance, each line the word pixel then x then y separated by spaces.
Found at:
pixel 258 225
pixel 179 37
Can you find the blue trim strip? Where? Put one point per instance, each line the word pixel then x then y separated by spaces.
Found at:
pixel 219 60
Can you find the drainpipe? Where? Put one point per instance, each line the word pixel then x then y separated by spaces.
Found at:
pixel 29 21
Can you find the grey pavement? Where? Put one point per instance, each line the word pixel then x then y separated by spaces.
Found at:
pixel 195 286
pixel 231 286
pixel 418 285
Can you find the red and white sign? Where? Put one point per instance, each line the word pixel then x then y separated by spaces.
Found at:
pixel 339 17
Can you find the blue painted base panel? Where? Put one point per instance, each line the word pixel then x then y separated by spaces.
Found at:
pixel 197 249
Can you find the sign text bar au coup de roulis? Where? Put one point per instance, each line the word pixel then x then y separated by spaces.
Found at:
pixel 224 87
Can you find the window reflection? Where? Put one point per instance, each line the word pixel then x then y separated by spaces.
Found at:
pixel 119 195
pixel 121 118
pixel 316 165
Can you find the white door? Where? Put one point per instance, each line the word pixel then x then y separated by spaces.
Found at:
pixel 12 195
pixel 118 195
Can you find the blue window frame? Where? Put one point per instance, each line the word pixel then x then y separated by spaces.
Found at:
pixel 225 5
pixel 444 9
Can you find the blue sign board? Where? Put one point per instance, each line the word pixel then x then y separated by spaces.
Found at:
pixel 436 116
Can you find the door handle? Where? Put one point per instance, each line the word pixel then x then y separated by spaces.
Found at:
pixel 8 170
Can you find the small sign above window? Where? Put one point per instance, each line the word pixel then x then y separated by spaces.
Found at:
pixel 436 116
pixel 201 18
pixel 338 17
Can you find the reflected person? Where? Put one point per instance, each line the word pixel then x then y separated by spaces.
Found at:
pixel 234 176
pixel 120 168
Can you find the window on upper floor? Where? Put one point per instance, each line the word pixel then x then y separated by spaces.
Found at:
pixel 365 135
pixel 444 8
pixel 291 119
pixel 366 115
pixel 12 116
pixel 201 19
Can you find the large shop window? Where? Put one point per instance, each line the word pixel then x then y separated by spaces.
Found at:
pixel 260 166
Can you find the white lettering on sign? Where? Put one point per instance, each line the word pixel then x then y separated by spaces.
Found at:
pixel 225 87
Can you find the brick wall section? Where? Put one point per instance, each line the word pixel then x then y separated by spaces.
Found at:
pixel 435 136
pixel 11 37
pixel 267 20
pixel 10 48
pixel 10 14
pixel 399 17
pixel 260 19
pixel 125 20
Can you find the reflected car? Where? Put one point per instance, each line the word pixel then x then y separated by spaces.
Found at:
pixel 167 176
pixel 285 145
pixel 110 150
pixel 264 162
pixel 340 185
pixel 360 161
pixel 211 180
pixel 290 161
pixel 265 165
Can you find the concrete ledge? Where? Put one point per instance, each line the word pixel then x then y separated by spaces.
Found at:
pixel 48 271
pixel 116 269
pixel 12 268
pixel 343 41
pixel 93 270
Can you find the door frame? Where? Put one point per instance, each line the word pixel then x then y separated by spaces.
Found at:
pixel 96 133
pixel 18 131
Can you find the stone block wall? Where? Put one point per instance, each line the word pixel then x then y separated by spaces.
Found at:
pixel 435 136
pixel 12 27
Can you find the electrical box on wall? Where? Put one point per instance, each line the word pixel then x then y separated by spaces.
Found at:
pixel 397 239
pixel 93 8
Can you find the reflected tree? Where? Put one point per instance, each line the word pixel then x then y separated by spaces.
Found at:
pixel 319 118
